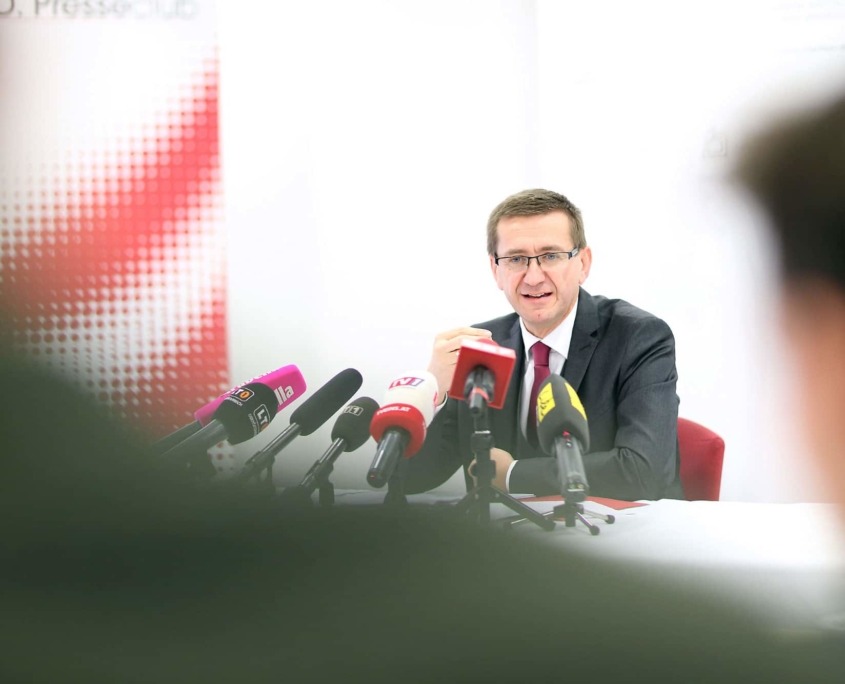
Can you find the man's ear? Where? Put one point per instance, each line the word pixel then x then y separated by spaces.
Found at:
pixel 586 257
pixel 494 270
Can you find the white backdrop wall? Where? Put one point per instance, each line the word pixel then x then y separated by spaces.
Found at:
pixel 364 145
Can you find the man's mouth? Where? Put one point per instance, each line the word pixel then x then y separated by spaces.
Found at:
pixel 539 295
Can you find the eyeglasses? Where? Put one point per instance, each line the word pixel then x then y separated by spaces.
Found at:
pixel 547 261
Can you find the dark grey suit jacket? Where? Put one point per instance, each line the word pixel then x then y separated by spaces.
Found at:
pixel 621 362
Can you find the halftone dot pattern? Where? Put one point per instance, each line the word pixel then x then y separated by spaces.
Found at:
pixel 112 262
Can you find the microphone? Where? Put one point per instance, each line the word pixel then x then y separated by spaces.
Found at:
pixel 242 414
pixel 482 374
pixel 313 412
pixel 350 431
pixel 399 426
pixel 562 431
pixel 287 382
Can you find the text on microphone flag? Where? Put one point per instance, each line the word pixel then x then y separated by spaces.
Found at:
pixel 260 418
pixel 284 393
pixel 241 394
pixel 409 381
pixel 545 401
pixel 397 408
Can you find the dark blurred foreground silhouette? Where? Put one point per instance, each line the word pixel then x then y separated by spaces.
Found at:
pixel 112 573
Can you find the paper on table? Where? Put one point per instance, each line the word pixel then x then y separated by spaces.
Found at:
pixel 615 504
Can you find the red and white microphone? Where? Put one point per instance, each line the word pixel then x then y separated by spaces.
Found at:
pixel 482 374
pixel 399 426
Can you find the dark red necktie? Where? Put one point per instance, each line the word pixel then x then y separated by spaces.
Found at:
pixel 540 354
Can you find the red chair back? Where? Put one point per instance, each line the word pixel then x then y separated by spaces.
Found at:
pixel 702 454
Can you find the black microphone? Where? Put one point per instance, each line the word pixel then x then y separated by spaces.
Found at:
pixel 309 416
pixel 478 389
pixel 241 415
pixel 562 431
pixel 350 431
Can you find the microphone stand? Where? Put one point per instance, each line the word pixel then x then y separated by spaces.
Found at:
pixel 300 495
pixel 573 485
pixel 477 501
pixel 574 491
pixel 572 510
pixel 262 461
pixel 262 473
pixel 317 478
pixel 396 488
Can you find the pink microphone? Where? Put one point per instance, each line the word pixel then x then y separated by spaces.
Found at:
pixel 287 382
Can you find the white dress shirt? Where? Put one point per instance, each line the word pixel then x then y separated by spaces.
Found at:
pixel 558 341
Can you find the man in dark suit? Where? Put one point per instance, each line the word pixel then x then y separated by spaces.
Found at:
pixel 619 359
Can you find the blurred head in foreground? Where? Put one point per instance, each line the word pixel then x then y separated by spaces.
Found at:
pixel 795 170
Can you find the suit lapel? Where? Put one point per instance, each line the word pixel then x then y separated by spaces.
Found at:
pixel 506 425
pixel 584 340
pixel 501 422
pixel 514 341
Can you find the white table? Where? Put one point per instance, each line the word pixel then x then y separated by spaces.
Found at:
pixel 784 561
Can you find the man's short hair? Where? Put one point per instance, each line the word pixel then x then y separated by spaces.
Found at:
pixel 795 170
pixel 534 202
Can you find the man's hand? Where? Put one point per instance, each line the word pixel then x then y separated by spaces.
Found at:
pixel 503 461
pixel 444 356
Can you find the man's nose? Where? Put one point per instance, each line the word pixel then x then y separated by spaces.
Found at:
pixel 534 274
